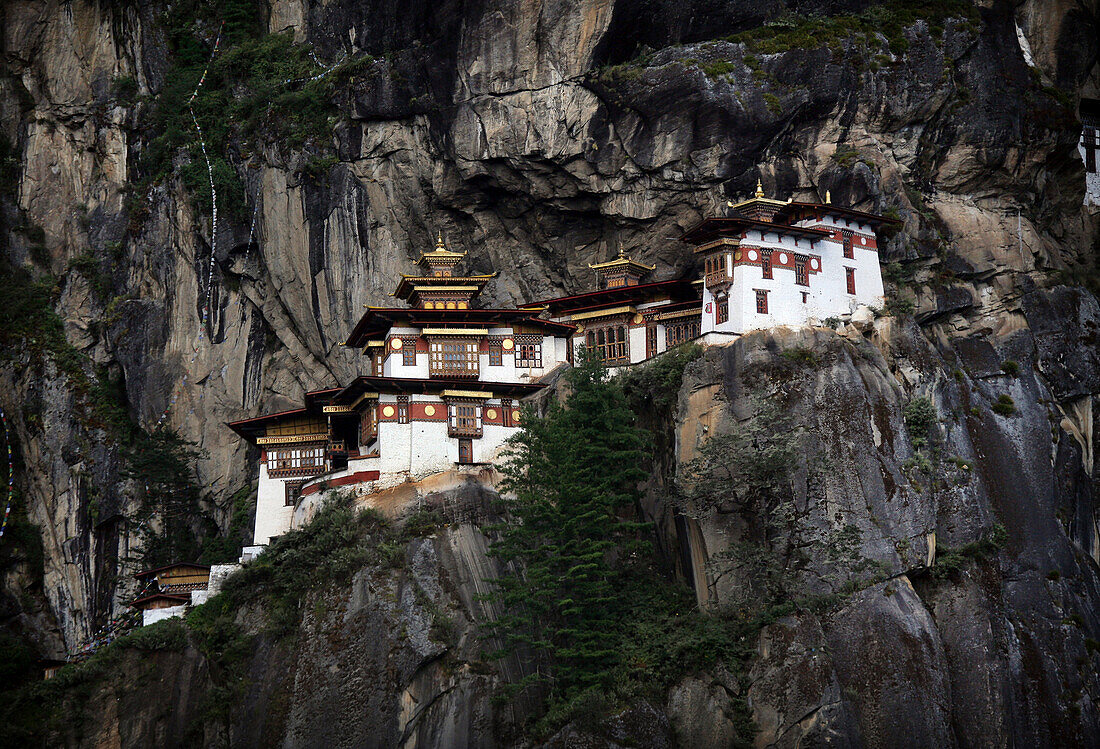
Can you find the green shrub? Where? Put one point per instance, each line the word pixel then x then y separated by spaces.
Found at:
pixel 800 355
pixel 167 634
pixel 949 561
pixel 1011 368
pixel 655 385
pixel 920 416
pixel 1004 405
pixel 775 106
pixel 718 68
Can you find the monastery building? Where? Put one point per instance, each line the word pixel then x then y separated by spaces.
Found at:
pixel 444 378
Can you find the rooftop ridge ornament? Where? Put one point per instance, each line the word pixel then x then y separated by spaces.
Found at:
pixel 759 188
pixel 828 197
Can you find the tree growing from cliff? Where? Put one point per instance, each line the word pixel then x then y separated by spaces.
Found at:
pixel 574 476
pixel 750 472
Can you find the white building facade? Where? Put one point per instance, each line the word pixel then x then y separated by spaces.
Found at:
pixel 784 263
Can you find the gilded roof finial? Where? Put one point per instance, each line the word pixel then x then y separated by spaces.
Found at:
pixel 828 197
pixel 439 241
pixel 622 252
pixel 759 189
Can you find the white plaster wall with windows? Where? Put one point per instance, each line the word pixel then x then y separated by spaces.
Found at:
pixel 272 513
pixel 826 296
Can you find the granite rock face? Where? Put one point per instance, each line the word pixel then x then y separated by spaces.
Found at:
pixel 540 137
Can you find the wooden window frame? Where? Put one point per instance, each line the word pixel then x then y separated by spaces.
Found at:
pixel 465 445
pixel 529 354
pixel 846 237
pixel 496 353
pixel 454 357
pixel 761 301
pixel 650 341
pixel 292 492
pixel 681 331
pixel 801 272
pixel 408 352
pixel 721 310
pixel 464 418
pixel 850 280
pixel 296 460
pixel 610 342
pixel 506 412
pixel 766 264
pixel 402 409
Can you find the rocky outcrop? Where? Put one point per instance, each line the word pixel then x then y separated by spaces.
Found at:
pixel 947 660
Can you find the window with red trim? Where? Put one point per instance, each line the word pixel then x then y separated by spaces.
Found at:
pixel 850 277
pixel 847 236
pixel 722 311
pixel 801 276
pixel 766 264
pixel 761 302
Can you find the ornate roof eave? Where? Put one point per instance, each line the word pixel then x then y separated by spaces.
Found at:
pixel 622 262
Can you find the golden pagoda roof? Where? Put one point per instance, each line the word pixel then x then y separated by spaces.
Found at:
pixel 622 261
pixel 758 197
pixel 441 253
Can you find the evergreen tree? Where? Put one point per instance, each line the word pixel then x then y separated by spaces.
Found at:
pixel 573 475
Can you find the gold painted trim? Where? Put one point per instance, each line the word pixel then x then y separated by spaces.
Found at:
pixel 364 397
pixel 337 409
pixel 604 312
pixel 455 331
pixel 441 289
pixel 679 314
pixel 466 394
pixel 374 344
pixel 290 439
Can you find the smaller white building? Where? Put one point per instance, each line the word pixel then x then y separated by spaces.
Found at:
pixel 785 263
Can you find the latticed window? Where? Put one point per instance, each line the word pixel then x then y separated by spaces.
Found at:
pixel 766 264
pixel 610 344
pixel 506 412
pixel 402 409
pixel 453 357
pixel 496 353
pixel 801 275
pixel 408 352
pixel 528 351
pixel 846 235
pixel 293 490
pixel 376 359
pixel 722 311
pixel 296 461
pixel 650 341
pixel 368 424
pixel 761 302
pixel 850 278
pixel 678 332
pixel 465 451
pixel 464 419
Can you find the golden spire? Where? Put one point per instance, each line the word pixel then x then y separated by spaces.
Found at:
pixel 759 189
pixel 828 197
pixel 439 241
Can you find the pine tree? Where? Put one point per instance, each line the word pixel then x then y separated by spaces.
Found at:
pixel 572 474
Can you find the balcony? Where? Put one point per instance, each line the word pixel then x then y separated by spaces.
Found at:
pixel 717 279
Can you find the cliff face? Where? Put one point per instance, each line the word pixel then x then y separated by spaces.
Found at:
pixel 539 138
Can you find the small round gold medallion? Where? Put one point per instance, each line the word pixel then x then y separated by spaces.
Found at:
pixel 429 410
pixel 387 411
pixel 507 344
pixel 490 413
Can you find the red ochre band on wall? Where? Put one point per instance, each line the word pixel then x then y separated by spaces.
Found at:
pixel 355 478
